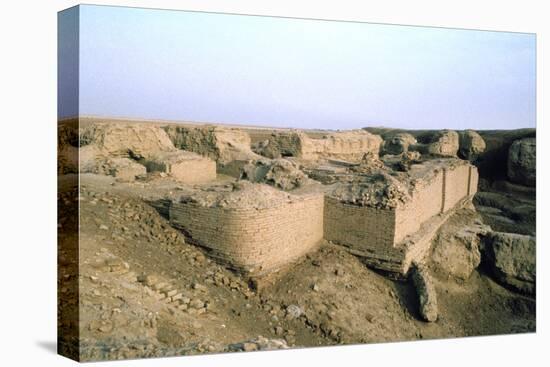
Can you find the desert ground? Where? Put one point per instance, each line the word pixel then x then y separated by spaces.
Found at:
pixel 152 263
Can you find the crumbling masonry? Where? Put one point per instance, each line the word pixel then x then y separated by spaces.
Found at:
pixel 259 236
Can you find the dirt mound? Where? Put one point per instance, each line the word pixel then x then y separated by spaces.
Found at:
pixel 241 194
pixel 398 143
pixel 472 145
pixel 329 297
pixel 380 190
pixel 280 173
pixel 125 139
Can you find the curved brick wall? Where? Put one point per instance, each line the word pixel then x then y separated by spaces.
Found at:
pixel 253 240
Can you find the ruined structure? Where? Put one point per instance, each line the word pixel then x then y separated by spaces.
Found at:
pixel 390 238
pixel 229 147
pixel 387 217
pixel 350 145
pixel 184 166
pixel 129 150
pixel 252 227
pixel 257 228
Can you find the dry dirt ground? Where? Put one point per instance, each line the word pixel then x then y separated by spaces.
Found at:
pixel 144 292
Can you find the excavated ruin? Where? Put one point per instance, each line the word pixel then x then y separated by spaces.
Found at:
pixel 308 208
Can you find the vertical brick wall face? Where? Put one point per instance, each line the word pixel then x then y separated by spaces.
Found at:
pixel 456 186
pixel 260 240
pixel 372 230
pixel 426 202
pixel 357 226
pixel 474 180
pixel 254 239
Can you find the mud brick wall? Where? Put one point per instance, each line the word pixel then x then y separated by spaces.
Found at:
pixel 253 240
pixel 427 201
pixel 474 180
pixel 357 226
pixel 341 145
pixel 456 186
pixel 376 231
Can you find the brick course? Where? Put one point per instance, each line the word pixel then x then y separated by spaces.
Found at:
pixel 260 240
pixel 384 235
pixel 254 240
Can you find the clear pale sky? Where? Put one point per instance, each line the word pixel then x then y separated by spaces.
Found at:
pixel 296 73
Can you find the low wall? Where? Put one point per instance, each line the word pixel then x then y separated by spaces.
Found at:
pixel 350 145
pixel 384 234
pixel 253 240
pixel 427 201
pixel 359 226
pixel 457 185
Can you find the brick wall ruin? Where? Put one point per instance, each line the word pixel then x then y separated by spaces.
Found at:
pixel 350 145
pixel 393 237
pixel 185 167
pixel 261 238
pixel 256 240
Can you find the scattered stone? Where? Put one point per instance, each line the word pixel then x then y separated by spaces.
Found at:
pixel 199 287
pixel 249 347
pixel 260 343
pixel 280 173
pixel 426 292
pixel 294 311
pixel 196 303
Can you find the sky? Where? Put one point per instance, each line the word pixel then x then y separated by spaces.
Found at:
pixel 269 71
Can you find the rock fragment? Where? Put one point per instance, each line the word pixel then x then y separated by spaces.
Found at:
pixel 426 292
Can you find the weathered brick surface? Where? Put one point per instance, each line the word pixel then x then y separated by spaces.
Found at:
pixel 359 226
pixel 391 238
pixel 456 185
pixel 255 240
pixel 260 240
pixel 427 201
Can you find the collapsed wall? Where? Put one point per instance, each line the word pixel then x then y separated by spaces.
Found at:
pixel 252 227
pixel 229 147
pixel 184 166
pixel 130 140
pixel 350 145
pixel 390 238
pixel 127 150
